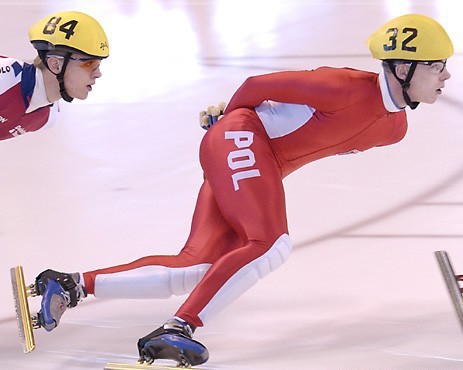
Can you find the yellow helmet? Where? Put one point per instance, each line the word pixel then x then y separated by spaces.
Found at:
pixel 70 31
pixel 411 37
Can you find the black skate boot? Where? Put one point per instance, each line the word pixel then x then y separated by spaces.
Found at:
pixel 173 341
pixel 59 291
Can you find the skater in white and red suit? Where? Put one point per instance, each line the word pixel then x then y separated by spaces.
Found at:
pixel 273 125
pixel 70 48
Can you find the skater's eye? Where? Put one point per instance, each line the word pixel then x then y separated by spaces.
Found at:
pixel 87 63
pixel 436 66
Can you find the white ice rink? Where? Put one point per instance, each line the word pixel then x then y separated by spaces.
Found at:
pixel 116 179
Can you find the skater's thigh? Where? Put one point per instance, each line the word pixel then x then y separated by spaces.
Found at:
pixel 245 178
pixel 211 236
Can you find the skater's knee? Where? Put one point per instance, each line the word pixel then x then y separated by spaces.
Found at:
pixel 278 254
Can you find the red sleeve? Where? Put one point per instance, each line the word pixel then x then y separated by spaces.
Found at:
pixel 325 89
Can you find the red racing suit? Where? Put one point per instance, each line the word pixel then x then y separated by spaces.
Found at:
pixel 273 125
pixel 23 103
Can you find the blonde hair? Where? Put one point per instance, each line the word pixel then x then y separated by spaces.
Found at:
pixel 38 63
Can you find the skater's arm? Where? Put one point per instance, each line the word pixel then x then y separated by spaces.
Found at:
pixel 324 88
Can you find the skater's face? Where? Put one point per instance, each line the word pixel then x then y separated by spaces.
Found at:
pixel 80 76
pixel 428 81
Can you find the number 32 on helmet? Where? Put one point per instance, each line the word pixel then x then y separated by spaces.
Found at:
pixel 411 37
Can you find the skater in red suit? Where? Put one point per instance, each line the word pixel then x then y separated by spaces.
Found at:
pixel 273 125
pixel 70 48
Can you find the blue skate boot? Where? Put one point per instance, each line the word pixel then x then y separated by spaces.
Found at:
pixel 173 341
pixel 59 291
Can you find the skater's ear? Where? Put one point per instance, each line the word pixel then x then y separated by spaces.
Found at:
pixel 54 64
pixel 401 70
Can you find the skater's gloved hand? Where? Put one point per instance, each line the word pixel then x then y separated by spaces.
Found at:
pixel 211 115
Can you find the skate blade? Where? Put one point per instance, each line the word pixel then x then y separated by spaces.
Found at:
pixel 452 283
pixel 123 366
pixel 20 294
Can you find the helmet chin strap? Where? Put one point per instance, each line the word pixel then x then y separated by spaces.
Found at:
pixel 405 84
pixel 60 78
pixel 60 75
